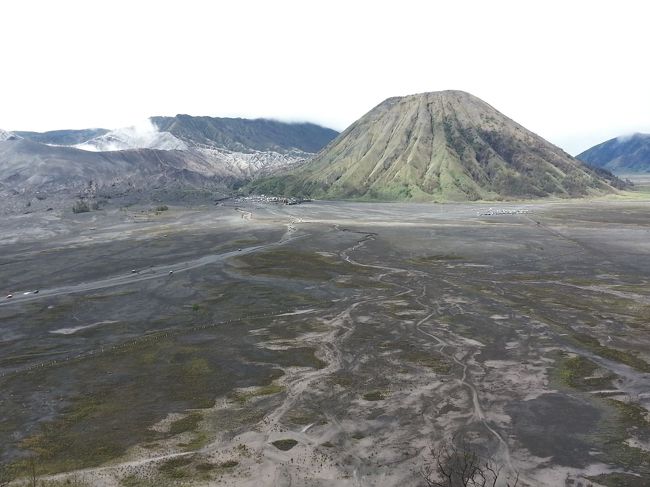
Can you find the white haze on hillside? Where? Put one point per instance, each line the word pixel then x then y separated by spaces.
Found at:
pixel 627 137
pixel 143 135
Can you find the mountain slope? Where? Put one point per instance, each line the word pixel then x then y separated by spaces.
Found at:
pixel 445 145
pixel 208 152
pixel 28 166
pixel 62 137
pixel 240 134
pixel 630 154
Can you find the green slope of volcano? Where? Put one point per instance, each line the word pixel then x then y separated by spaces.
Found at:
pixel 440 146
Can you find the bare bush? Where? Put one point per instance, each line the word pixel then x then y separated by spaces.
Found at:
pixel 461 466
pixel 80 206
pixel 33 477
pixel 7 475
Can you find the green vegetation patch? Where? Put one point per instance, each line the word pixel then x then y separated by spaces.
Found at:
pixel 620 480
pixel 342 378
pixel 239 298
pixel 285 445
pixel 592 306
pixel 132 390
pixel 298 265
pixel 374 396
pixel 59 446
pixel 268 390
pixel 207 466
pixel 176 467
pixel 134 481
pixel 72 481
pixel 627 358
pixel 199 441
pixel 292 357
pixel 631 414
pixel 624 420
pixel 433 259
pixel 188 423
pixel 434 361
pixel 583 374
pixel 629 457
pixel 303 416
pixel 80 206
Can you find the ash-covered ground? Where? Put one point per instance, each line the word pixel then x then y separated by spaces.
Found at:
pixel 326 343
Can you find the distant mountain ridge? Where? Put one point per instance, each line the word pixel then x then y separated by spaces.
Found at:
pixel 207 152
pixel 185 131
pixel 241 134
pixel 621 155
pixel 442 146
pixel 62 137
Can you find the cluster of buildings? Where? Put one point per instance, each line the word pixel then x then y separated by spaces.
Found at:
pixel 502 211
pixel 272 199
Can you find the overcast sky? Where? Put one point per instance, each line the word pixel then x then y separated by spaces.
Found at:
pixel 575 72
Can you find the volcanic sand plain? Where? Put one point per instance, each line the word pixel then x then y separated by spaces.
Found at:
pixel 327 343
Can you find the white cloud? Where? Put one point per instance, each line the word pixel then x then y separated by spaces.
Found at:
pixel 566 70
pixel 625 137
